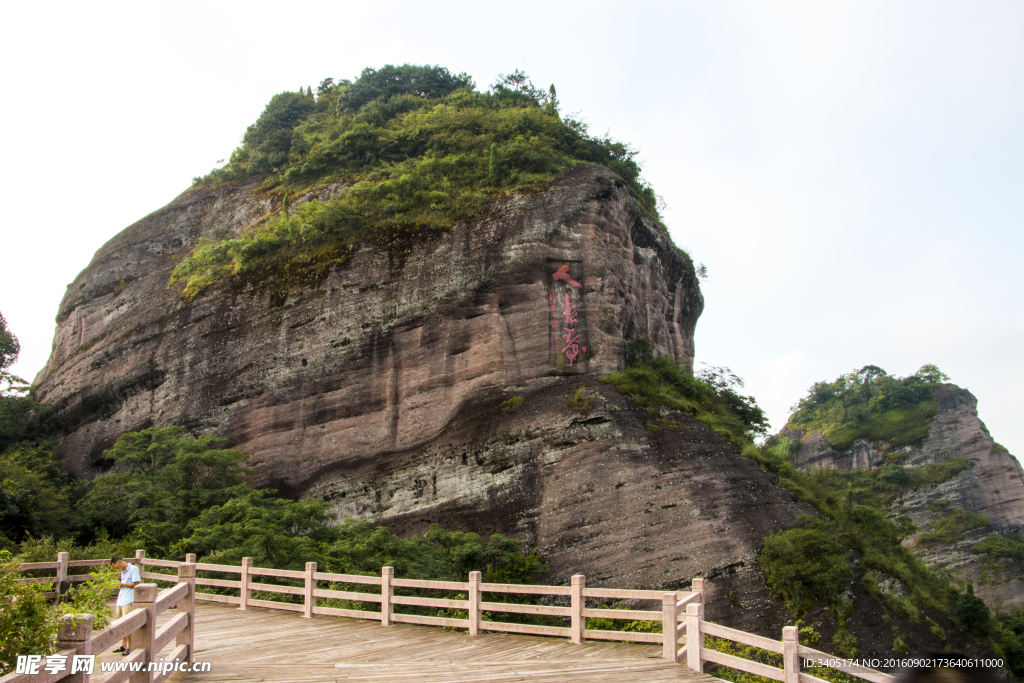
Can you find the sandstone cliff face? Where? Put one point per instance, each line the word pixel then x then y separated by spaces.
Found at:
pixel 378 358
pixel 992 486
pixel 381 389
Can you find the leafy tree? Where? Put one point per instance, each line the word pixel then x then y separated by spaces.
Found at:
pixel 325 87
pixel 9 349
pixel 930 374
pixel 518 87
pixel 34 500
pixel 19 420
pixel 427 82
pixel 551 105
pixel 275 532
pixel 269 139
pixel 161 478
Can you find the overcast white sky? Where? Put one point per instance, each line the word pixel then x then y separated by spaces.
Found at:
pixel 852 173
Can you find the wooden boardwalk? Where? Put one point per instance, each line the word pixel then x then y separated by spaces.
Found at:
pixel 276 646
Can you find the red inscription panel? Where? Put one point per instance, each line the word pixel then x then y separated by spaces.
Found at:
pixel 567 316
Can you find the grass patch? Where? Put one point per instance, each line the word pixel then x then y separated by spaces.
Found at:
pixel 512 405
pixel 950 527
pixel 878 488
pixel 582 401
pixel 896 426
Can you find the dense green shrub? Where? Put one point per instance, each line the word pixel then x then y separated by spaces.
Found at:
pixel 973 614
pixel 853 509
pixel 29 622
pixel 418 149
pixel 805 565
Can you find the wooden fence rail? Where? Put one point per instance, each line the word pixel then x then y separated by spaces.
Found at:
pixel 76 637
pixel 683 628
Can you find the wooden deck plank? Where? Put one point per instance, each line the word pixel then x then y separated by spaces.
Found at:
pixel 272 646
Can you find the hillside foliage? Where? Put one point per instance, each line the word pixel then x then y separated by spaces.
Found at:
pixel 712 395
pixel 415 149
pixel 871 404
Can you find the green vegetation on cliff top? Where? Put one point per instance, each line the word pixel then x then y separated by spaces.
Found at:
pixel 417 149
pixel 870 404
pixel 710 396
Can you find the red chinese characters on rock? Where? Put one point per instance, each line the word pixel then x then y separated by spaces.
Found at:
pixel 563 274
pixel 572 340
pixel 569 315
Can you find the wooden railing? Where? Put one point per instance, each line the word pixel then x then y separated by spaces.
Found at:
pixel 76 637
pixel 61 579
pixel 475 603
pixel 681 616
pixel 793 653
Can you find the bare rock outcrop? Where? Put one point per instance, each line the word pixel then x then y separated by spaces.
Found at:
pixel 992 485
pixel 383 353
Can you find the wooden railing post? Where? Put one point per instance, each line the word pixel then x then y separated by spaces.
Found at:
pixel 62 573
pixel 74 634
pixel 190 558
pixel 790 655
pixel 244 591
pixel 187 574
pixel 697 586
pixel 145 597
pixel 308 600
pixel 694 636
pixel 578 623
pixel 474 603
pixel 140 560
pixel 669 624
pixel 386 593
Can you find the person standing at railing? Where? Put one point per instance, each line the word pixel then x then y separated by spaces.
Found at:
pixel 130 578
